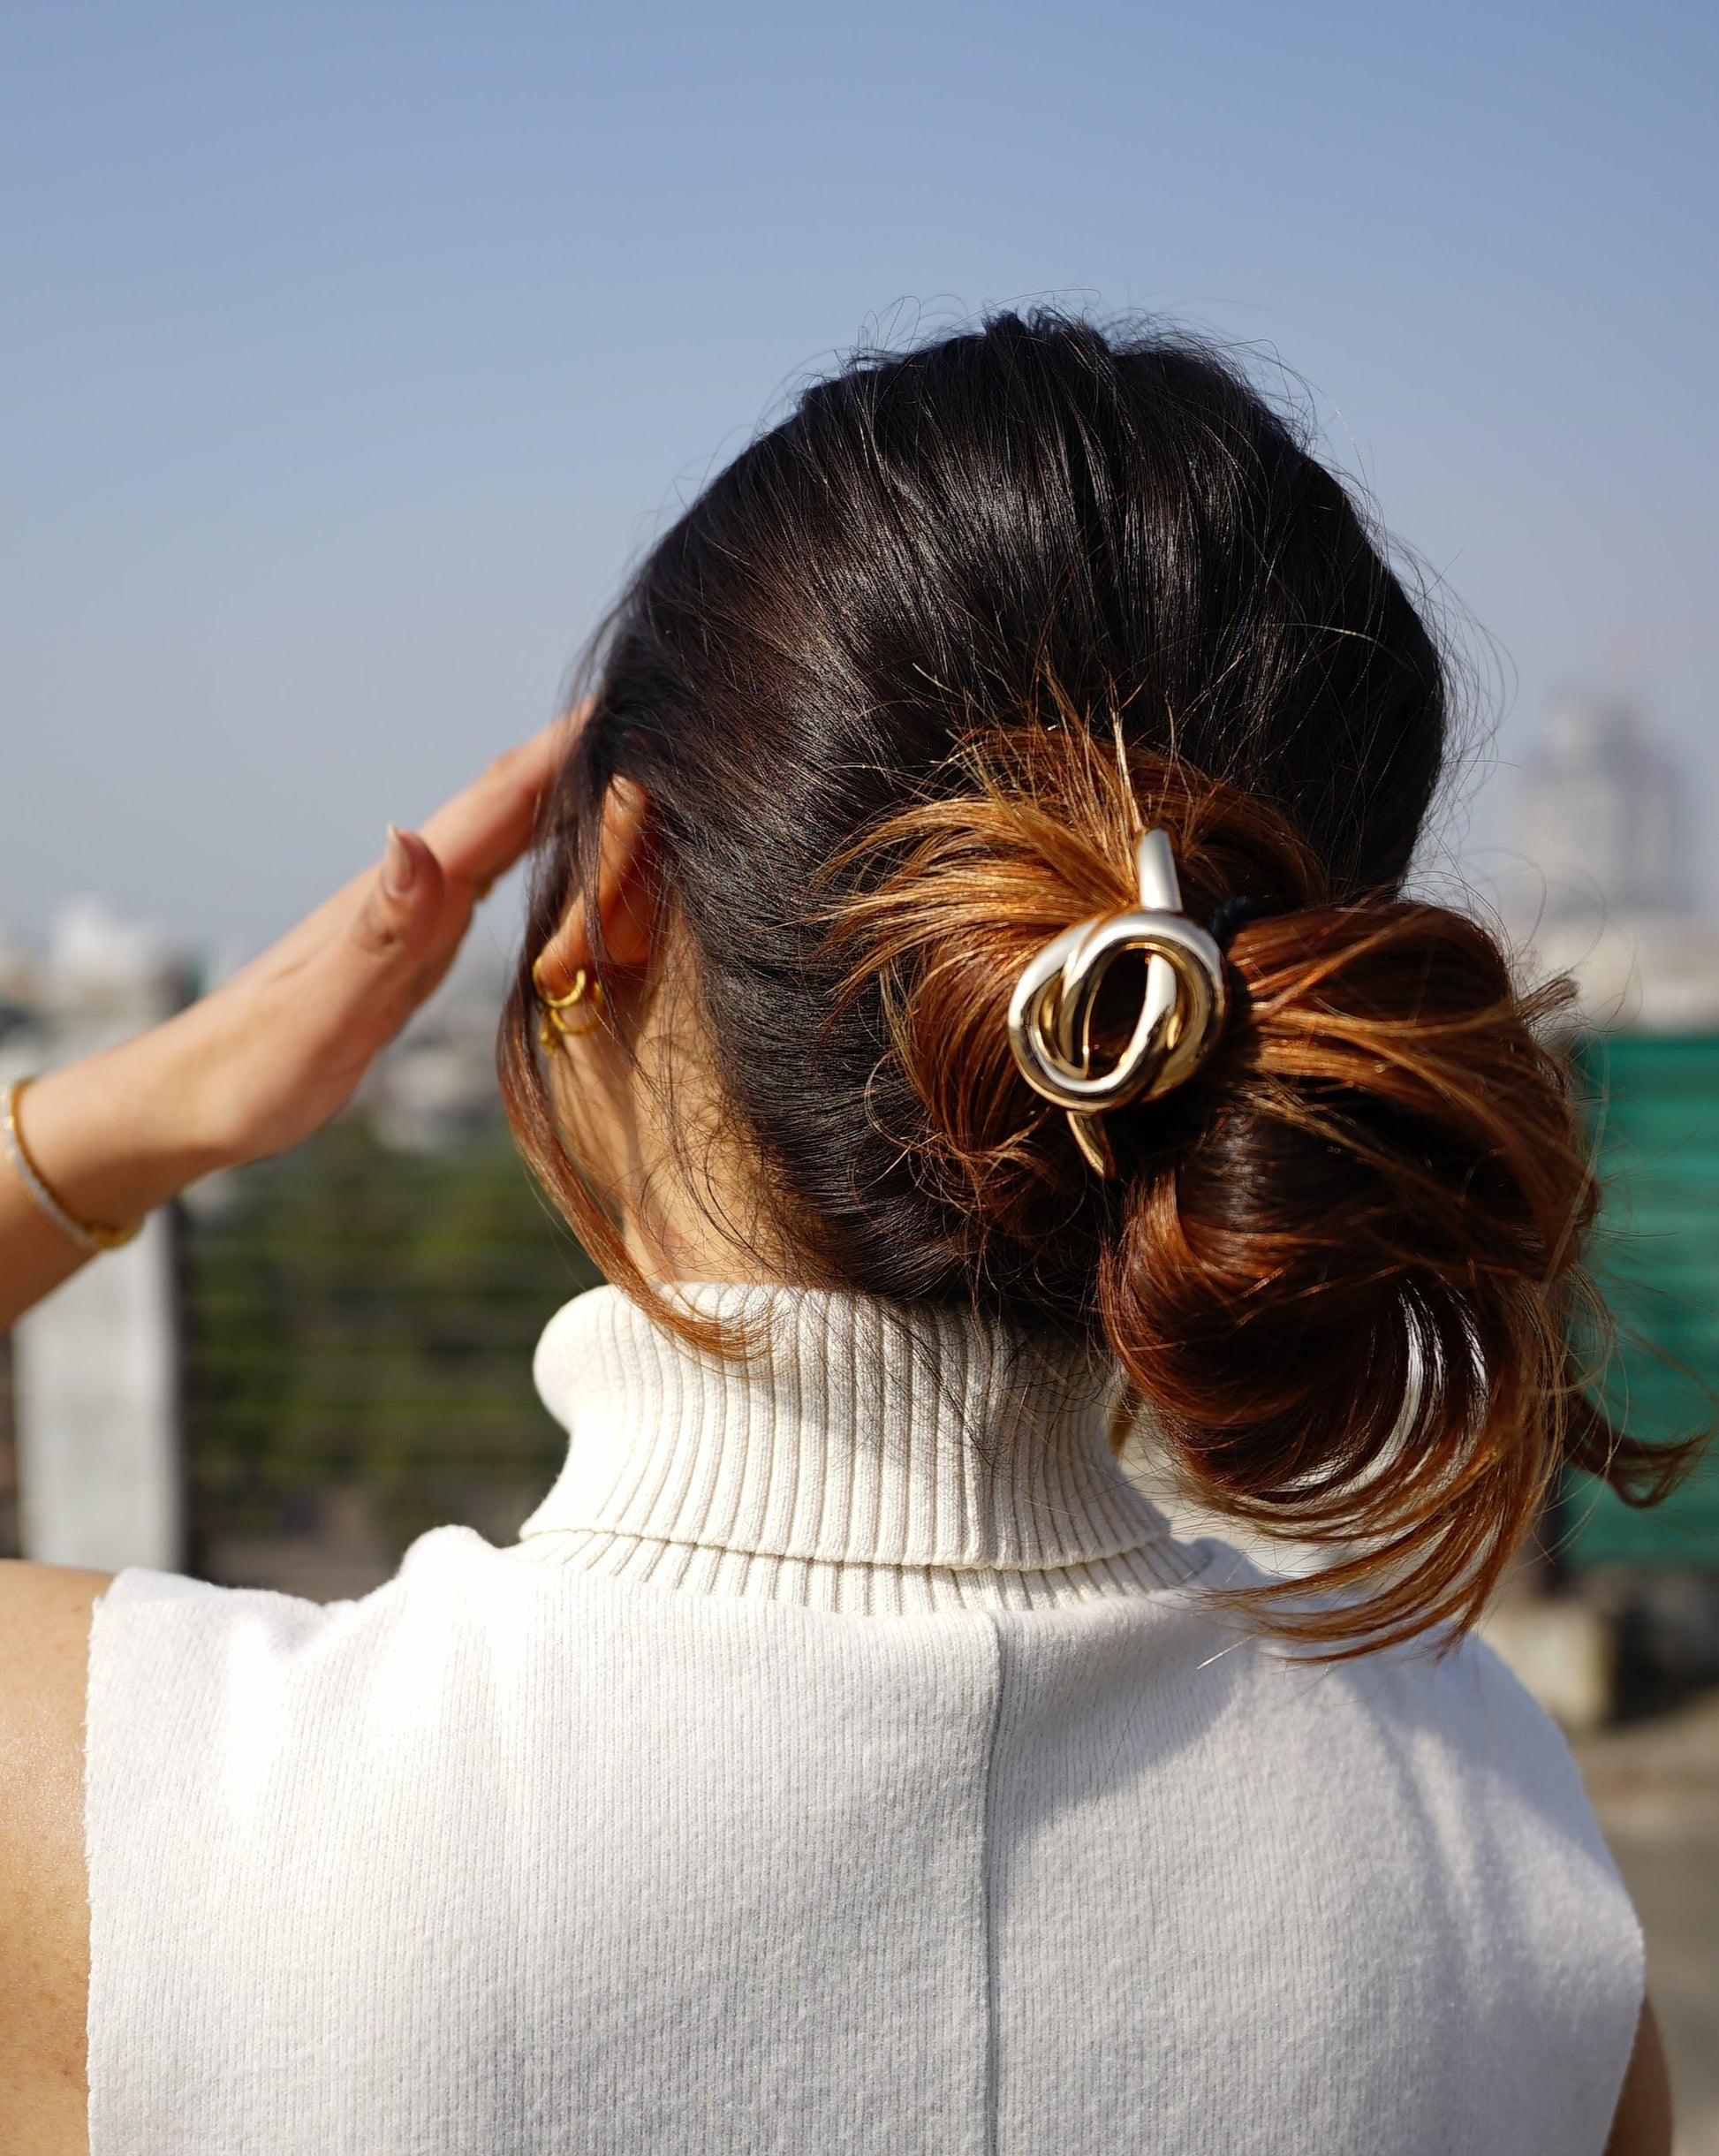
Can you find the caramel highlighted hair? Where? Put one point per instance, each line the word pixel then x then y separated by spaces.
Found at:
pixel 1341 1268
pixel 902 687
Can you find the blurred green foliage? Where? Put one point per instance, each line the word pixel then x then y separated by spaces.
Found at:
pixel 357 1315
pixel 364 1317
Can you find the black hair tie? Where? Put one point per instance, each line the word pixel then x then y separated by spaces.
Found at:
pixel 1231 918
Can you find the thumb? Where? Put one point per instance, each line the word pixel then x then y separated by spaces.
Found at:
pixel 402 907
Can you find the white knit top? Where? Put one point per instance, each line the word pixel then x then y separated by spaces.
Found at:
pixel 846 1757
pixel 867 1462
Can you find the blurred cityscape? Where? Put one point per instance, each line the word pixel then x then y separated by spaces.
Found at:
pixel 308 1362
pixel 1601 885
pixel 328 1352
pixel 311 1361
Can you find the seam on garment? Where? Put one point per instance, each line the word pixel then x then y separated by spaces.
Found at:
pixel 91 2124
pixel 1070 1560
pixel 988 1888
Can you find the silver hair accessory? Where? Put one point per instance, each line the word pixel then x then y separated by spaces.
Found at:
pixel 1182 1005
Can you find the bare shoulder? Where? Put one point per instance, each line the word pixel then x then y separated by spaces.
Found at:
pixel 1642 2126
pixel 44 1913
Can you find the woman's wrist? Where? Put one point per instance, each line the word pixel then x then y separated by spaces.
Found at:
pixel 118 1133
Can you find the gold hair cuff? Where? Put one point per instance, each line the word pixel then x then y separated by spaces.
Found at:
pixel 1181 1008
pixel 585 996
pixel 90 1237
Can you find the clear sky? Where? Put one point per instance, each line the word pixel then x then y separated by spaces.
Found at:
pixel 350 351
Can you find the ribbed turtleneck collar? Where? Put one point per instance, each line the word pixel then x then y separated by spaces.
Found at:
pixel 861 1455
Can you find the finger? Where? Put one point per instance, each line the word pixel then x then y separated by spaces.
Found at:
pixel 483 831
pixel 400 912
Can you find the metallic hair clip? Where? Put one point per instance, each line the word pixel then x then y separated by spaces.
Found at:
pixel 1183 1005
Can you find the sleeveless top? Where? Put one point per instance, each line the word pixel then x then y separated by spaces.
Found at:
pixel 845 1758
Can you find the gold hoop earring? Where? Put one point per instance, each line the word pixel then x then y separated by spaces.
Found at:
pixel 585 996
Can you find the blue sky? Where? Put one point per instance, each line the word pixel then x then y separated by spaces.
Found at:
pixel 351 351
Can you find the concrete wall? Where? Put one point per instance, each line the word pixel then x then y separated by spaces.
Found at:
pixel 95 1392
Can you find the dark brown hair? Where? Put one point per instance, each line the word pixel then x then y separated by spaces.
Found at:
pixel 902 687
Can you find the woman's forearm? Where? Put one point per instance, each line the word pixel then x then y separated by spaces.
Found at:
pixel 113 1137
pixel 271 1055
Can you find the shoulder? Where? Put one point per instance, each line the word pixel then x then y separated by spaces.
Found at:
pixel 45 1613
pixel 1437 1753
pixel 1441 1729
pixel 1443 1708
pixel 1431 1762
pixel 1451 1704
pixel 184 1676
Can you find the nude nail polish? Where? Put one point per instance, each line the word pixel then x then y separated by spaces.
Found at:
pixel 399 865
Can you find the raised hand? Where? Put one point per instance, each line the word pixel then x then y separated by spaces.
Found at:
pixel 273 1054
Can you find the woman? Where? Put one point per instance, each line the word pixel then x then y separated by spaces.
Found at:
pixel 967 923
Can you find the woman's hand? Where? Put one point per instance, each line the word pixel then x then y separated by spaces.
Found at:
pixel 273 1054
pixel 281 1046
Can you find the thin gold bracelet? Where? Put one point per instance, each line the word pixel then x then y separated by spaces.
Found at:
pixel 89 1238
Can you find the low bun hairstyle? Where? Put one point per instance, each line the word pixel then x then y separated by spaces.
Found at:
pixel 903 686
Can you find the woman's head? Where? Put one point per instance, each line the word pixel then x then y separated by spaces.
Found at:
pixel 887 709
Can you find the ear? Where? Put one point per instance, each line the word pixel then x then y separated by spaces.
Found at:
pixel 626 893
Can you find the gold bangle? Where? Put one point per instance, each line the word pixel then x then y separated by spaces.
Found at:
pixel 90 1237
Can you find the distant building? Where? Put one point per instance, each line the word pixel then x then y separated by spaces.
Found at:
pixel 18 984
pixel 105 976
pixel 435 1089
pixel 94 1369
pixel 1600 820
pixel 1602 817
pixel 1598 814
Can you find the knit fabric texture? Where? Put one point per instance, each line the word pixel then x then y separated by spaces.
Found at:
pixel 845 1758
pixel 862 1459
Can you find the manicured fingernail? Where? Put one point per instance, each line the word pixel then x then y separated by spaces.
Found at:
pixel 399 866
